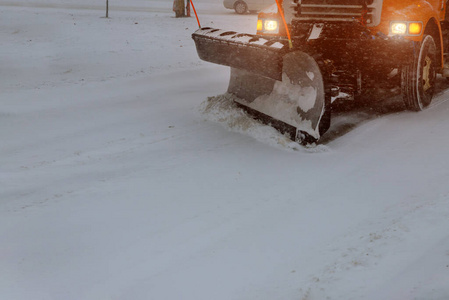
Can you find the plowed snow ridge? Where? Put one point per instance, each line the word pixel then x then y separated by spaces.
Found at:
pixel 223 110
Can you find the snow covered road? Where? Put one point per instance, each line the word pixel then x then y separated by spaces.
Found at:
pixel 114 183
pixel 155 6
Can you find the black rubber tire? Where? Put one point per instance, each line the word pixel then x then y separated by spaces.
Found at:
pixel 241 7
pixel 418 77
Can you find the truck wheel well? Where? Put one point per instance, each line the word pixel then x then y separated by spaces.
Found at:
pixel 433 30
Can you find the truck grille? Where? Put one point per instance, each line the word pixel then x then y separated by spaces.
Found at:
pixel 333 10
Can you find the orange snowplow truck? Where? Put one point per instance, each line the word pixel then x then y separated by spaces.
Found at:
pixel 308 53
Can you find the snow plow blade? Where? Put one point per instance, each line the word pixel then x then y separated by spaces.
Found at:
pixel 271 80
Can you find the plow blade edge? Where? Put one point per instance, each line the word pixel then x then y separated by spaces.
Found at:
pixel 268 78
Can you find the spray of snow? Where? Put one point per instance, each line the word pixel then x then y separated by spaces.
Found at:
pixel 283 101
pixel 311 75
pixel 223 110
pixel 302 96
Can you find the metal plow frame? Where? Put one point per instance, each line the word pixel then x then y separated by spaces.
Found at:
pixel 269 78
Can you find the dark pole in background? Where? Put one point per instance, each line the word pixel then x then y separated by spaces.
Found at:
pixel 107 8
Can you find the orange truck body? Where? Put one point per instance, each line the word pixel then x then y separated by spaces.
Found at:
pixel 429 13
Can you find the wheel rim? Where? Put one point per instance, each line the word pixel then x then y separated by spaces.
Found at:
pixel 426 76
pixel 240 8
pixel 427 72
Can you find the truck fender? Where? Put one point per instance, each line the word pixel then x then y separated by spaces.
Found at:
pixel 433 28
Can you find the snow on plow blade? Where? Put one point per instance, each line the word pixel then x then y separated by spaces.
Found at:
pixel 268 78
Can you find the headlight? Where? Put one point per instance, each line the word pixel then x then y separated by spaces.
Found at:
pixel 268 26
pixel 405 28
pixel 271 25
pixel 398 28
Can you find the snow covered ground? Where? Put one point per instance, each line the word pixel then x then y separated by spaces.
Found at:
pixel 119 179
